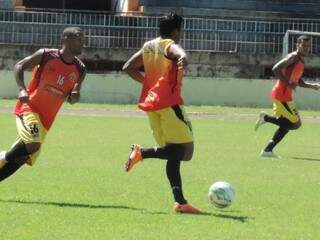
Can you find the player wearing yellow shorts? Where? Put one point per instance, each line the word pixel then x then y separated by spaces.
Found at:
pixel 289 71
pixel 57 76
pixel 163 61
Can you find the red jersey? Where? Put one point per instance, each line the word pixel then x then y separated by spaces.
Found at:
pixel 163 80
pixel 51 83
pixel 293 72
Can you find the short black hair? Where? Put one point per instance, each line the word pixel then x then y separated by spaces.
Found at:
pixel 303 38
pixel 170 23
pixel 71 32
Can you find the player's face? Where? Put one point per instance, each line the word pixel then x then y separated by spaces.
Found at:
pixel 75 43
pixel 304 47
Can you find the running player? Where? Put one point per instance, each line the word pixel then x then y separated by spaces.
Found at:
pixel 57 76
pixel 163 61
pixel 289 72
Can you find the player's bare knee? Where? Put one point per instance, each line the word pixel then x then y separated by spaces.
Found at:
pixel 33 147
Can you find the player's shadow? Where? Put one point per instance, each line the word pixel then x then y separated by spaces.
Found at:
pixel 307 159
pixel 79 205
pixel 238 218
pixel 226 215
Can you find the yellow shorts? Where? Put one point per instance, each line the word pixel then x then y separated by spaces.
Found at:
pixel 170 125
pixel 287 110
pixel 30 130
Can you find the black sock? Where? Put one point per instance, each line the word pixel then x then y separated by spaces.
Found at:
pixel 8 169
pixel 17 151
pixel 172 151
pixel 281 121
pixel 277 137
pixel 173 174
pixel 155 152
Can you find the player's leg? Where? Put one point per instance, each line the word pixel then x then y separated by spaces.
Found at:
pixel 170 127
pixel 162 151
pixel 286 115
pixel 172 131
pixel 18 155
pixel 26 148
pixel 177 131
pixel 180 151
pixel 135 155
pixel 173 153
pixel 177 153
pixel 277 137
pixel 287 119
pixel 8 169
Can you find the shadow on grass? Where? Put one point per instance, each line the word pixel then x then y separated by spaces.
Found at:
pixel 242 219
pixel 225 215
pixel 307 159
pixel 71 205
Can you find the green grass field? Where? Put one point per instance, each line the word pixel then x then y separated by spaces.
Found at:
pixel 79 190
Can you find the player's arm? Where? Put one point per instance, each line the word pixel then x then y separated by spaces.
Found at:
pixel 304 84
pixel 282 64
pixel 27 63
pixel 175 52
pixel 133 65
pixel 74 96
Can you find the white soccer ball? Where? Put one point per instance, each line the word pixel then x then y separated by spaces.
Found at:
pixel 221 194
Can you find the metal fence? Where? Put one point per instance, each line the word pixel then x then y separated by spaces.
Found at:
pixel 116 31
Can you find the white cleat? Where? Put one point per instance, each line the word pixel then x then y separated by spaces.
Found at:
pixel 2 158
pixel 260 120
pixel 268 154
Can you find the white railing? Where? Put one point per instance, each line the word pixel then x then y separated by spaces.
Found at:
pixel 115 31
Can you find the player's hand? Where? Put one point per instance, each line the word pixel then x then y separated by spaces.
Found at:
pixel 182 61
pixel 23 96
pixel 315 86
pixel 74 97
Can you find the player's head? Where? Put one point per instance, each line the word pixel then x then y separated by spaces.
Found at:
pixel 303 45
pixel 73 39
pixel 170 26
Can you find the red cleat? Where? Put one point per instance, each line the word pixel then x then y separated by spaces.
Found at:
pixel 186 208
pixel 134 157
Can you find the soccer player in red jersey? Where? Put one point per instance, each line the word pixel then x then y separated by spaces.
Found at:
pixel 163 61
pixel 289 71
pixel 57 76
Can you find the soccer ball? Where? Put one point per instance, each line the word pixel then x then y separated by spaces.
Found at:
pixel 221 194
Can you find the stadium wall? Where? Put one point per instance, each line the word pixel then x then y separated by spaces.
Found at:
pixel 118 88
pixel 202 63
